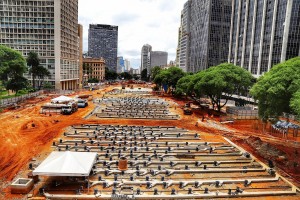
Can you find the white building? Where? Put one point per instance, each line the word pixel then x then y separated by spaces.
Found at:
pixel 146 49
pixel 49 28
pixel 127 65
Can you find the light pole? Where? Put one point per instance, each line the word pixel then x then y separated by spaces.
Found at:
pixel 85 79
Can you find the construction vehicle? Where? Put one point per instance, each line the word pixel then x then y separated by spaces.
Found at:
pixel 69 108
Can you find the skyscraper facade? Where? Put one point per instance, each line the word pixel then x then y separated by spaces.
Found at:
pixel 49 28
pixel 120 65
pixel 156 58
pixel 144 56
pixel 184 42
pixel 209 33
pixel 264 33
pixel 103 42
pixel 205 28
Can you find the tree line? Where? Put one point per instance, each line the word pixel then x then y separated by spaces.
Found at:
pixel 13 66
pixel 277 91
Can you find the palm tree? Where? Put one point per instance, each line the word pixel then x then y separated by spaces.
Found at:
pixel 33 62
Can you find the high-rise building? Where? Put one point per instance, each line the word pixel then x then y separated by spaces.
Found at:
pixel 144 56
pixel 156 58
pixel 49 28
pixel 127 65
pixel 264 33
pixel 103 42
pixel 80 38
pixel 209 33
pixel 184 43
pixel 120 65
pixel 205 28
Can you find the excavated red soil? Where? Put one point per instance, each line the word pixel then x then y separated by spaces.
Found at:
pixel 25 134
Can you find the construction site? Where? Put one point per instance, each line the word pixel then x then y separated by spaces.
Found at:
pixel 134 144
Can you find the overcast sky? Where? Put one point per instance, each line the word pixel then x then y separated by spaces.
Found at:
pixel 140 22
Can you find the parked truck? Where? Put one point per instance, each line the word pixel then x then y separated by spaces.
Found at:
pixel 69 108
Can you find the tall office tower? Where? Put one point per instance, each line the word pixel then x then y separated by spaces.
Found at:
pixel 120 65
pixel 80 38
pixel 103 42
pixel 127 65
pixel 49 28
pixel 184 43
pixel 144 56
pixel 156 58
pixel 209 33
pixel 264 33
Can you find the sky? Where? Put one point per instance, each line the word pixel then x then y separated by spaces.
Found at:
pixel 140 22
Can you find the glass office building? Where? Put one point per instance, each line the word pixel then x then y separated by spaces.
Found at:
pixel 264 33
pixel 103 42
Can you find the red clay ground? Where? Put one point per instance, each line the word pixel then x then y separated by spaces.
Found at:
pixel 26 134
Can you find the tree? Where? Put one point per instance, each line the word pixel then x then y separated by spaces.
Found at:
pixel 226 79
pixel 154 71
pixel 12 64
pixel 17 83
pixel 135 77
pixel 125 75
pixel 144 76
pixel 48 85
pixel 36 70
pixel 276 88
pixel 110 75
pixel 93 80
pixel 295 103
pixel 169 77
pixel 184 86
pixel 41 73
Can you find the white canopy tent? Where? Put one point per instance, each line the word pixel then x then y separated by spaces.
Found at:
pixel 61 99
pixel 67 164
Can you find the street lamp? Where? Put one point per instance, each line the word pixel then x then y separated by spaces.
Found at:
pixel 85 79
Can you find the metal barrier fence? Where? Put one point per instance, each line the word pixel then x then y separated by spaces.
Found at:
pixel 14 100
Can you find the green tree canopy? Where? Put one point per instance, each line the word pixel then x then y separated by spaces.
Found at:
pixel 17 83
pixel 110 75
pixel 144 76
pixel 93 80
pixel 35 69
pixel 295 103
pixel 125 75
pixel 225 78
pixel 154 71
pixel 186 84
pixel 12 63
pixel 169 76
pixel 275 89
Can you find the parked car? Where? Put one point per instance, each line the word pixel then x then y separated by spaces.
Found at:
pixel 82 103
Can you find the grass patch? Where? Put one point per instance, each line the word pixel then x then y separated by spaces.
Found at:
pixel 4 94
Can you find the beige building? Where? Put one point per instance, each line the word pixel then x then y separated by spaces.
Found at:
pixel 93 68
pixel 49 28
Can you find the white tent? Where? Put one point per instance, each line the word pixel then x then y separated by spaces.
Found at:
pixel 61 99
pixel 67 164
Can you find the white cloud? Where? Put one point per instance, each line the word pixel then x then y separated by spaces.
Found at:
pixel 140 22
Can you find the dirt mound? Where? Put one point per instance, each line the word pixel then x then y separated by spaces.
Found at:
pixel 269 151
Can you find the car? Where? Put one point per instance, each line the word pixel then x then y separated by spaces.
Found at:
pixel 82 103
